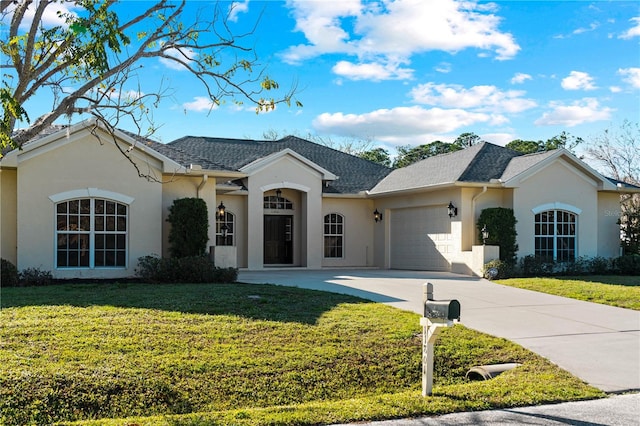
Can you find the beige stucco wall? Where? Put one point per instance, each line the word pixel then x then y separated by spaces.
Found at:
pixel 608 228
pixel 78 163
pixel 557 183
pixel 8 215
pixel 293 177
pixel 358 231
pixel 187 186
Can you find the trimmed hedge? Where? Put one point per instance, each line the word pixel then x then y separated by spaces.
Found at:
pixel 533 266
pixel 194 269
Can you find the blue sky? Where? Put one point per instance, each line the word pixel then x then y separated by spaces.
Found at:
pixel 408 72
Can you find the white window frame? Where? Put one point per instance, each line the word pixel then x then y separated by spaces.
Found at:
pixel 557 230
pixel 333 233
pixel 229 219
pixel 92 194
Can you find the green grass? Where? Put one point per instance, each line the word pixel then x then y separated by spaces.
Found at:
pixel 243 355
pixel 613 290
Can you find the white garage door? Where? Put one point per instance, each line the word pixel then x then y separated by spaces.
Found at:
pixel 420 238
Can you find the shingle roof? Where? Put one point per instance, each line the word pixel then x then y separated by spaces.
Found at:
pixel 478 163
pixel 355 174
pixel 523 163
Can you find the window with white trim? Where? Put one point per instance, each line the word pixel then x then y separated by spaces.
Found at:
pixel 333 236
pixel 225 229
pixel 555 235
pixel 91 233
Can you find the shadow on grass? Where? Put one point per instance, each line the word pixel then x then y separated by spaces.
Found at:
pixel 255 301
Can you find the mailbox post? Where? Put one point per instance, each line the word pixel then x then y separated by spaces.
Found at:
pixel 437 315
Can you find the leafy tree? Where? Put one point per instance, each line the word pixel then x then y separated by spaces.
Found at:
pixel 525 147
pixel 88 62
pixel 617 153
pixel 466 140
pixel 563 140
pixel 408 155
pixel 377 155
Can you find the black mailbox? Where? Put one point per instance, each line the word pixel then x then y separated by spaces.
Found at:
pixel 442 309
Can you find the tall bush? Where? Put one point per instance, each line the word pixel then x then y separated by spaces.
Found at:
pixel 189 227
pixel 501 224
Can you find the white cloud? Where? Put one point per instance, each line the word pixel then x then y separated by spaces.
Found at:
pixel 236 8
pixel 498 138
pixel 615 89
pixel 371 71
pixel 200 104
pixel 633 31
pixel 592 27
pixel 482 98
pixel 577 80
pixel 586 110
pixel 185 55
pixel 520 78
pixel 443 67
pixel 390 32
pixel 50 17
pixel 631 76
pixel 398 122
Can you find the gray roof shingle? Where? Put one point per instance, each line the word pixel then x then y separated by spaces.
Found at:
pixel 478 163
pixel 355 174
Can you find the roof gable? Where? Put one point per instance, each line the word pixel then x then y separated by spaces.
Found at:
pixel 263 162
pixel 355 174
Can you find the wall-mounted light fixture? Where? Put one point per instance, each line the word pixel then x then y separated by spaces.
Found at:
pixel 485 234
pixel 452 210
pixel 377 216
pixel 221 211
pixel 278 192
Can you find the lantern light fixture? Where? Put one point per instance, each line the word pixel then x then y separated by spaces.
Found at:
pixel 377 216
pixel 221 210
pixel 485 234
pixel 452 210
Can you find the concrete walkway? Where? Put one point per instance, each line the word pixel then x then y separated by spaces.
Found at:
pixel 598 343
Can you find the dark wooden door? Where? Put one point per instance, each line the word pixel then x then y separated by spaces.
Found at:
pixel 278 239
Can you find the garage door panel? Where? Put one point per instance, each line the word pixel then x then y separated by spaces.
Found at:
pixel 420 238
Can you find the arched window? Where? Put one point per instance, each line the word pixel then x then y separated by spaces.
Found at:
pixel 274 202
pixel 91 233
pixel 555 235
pixel 333 236
pixel 225 229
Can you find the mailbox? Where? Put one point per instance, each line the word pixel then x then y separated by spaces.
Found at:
pixel 442 310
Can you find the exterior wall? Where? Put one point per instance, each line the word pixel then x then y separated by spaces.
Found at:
pixel 176 187
pixel 358 231
pixel 473 201
pixel 236 204
pixel 608 229
pixel 78 163
pixel 558 183
pixel 8 215
pixel 292 177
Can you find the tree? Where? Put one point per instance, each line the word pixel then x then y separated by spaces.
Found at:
pixel 89 61
pixel 563 140
pixel 466 140
pixel 525 147
pixel 501 224
pixel 408 155
pixel 377 155
pixel 617 154
pixel 189 221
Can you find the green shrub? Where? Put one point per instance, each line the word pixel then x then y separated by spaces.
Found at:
pixel 189 227
pixel 628 265
pixel 8 274
pixel 497 269
pixel 194 269
pixel 535 266
pixel 31 277
pixel 601 266
pixel 501 224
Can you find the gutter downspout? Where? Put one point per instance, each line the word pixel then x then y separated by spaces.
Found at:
pixel 202 184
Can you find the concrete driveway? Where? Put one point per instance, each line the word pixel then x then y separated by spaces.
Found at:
pixel 598 343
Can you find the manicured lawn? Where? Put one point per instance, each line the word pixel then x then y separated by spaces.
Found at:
pixel 244 355
pixel 613 290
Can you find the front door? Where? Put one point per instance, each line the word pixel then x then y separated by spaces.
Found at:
pixel 278 240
